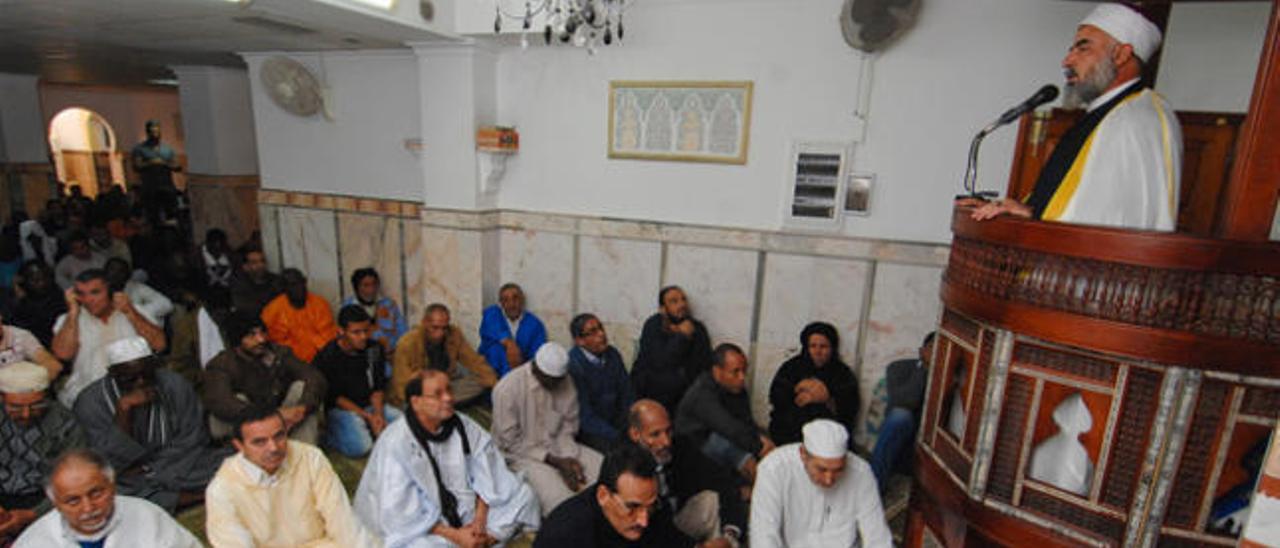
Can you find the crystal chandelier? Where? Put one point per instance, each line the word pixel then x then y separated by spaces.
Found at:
pixel 583 23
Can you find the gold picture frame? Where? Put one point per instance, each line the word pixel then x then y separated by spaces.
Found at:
pixel 681 121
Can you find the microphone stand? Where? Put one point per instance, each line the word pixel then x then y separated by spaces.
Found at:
pixel 971 173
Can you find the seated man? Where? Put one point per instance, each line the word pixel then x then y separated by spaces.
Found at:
pixel 214 261
pixel 19 345
pixel 102 243
pixel 96 318
pixel 509 334
pixel 276 492
pixel 715 415
pixel 436 479
pixel 388 322
pixel 34 430
pixel 253 286
pixel 905 382
pixel 604 389
pixel 535 420
pixel 40 303
pixel 149 425
pixel 623 509
pixel 299 319
pixel 258 373
pixel 674 349
pixel 357 376
pixel 90 513
pixel 437 344
pixel 815 384
pixel 151 303
pixel 703 498
pixel 79 258
pixel 817 494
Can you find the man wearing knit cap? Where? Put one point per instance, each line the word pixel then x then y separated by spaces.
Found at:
pixel 817 494
pixel 149 425
pixel 535 420
pixel 1121 164
pixel 34 430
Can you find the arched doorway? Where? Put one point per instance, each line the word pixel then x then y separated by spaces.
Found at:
pixel 85 151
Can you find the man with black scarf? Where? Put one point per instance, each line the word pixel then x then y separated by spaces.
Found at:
pixel 437 474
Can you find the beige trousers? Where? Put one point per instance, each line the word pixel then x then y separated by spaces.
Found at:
pixel 546 481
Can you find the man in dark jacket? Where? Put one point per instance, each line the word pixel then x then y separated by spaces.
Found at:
pixel 257 372
pixel 621 510
pixel 905 381
pixel 604 390
pixel 715 415
pixel 674 350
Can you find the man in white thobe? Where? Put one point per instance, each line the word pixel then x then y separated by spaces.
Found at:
pixel 82 488
pixel 817 494
pixel 1121 164
pixel 535 420
pixel 436 479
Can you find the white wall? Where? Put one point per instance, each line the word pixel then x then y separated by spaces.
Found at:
pixel 1211 57
pixel 125 109
pixel 22 133
pixel 218 115
pixel 375 103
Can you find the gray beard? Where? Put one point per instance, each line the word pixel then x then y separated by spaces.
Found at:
pixel 1090 86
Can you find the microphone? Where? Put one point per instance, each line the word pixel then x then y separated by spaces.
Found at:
pixel 1045 94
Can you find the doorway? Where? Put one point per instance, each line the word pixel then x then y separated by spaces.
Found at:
pixel 85 151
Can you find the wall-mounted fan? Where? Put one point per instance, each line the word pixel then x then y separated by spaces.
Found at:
pixel 870 25
pixel 291 86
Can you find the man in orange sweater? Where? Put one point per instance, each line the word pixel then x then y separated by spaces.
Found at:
pixel 299 319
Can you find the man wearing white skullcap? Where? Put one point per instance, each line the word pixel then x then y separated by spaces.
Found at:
pixel 1121 164
pixel 34 429
pixel 535 423
pixel 149 425
pixel 817 494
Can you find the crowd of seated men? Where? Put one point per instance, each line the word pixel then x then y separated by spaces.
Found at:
pixel 141 378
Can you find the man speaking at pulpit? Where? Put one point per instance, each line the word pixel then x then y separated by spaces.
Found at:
pixel 1121 164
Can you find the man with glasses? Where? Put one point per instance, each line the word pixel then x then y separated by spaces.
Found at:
pixel 149 425
pixel 623 509
pixel 34 429
pixel 437 476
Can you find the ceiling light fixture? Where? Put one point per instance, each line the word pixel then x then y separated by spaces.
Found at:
pixel 583 23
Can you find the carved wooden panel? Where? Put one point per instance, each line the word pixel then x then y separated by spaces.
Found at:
pixel 957 463
pixel 1198 454
pixel 1070 363
pixel 1129 443
pixel 1263 402
pixel 1096 522
pixel 981 372
pixel 963 328
pixel 1008 445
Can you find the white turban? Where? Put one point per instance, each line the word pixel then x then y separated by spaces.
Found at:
pixel 23 378
pixel 825 438
pixel 127 350
pixel 1127 27
pixel 552 359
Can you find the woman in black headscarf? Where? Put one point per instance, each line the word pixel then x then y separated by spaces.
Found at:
pixel 815 384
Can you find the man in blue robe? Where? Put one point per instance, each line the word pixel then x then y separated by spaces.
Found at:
pixel 509 334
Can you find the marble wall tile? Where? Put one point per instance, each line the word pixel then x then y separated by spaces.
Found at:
pixel 617 228
pixel 450 264
pixel 230 207
pixel 413 253
pixel 268 216
pixel 799 289
pixel 371 241
pixel 541 222
pixel 904 306
pixel 712 236
pixel 720 284
pixel 309 243
pixel 542 263
pixel 618 280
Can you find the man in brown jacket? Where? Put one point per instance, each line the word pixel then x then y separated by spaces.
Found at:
pixel 437 344
pixel 256 372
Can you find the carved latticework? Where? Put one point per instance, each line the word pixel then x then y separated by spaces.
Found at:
pixel 1069 363
pixel 1130 440
pixel 961 327
pixel 1008 446
pixel 1062 510
pixel 982 367
pixel 1198 453
pixel 1264 402
pixel 1229 305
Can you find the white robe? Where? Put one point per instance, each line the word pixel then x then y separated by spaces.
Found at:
pixel 788 509
pixel 91 360
pixel 397 497
pixel 1131 171
pixel 136 523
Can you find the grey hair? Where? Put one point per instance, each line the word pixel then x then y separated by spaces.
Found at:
pixel 78 454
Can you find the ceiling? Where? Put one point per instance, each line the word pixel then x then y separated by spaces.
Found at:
pixel 134 41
